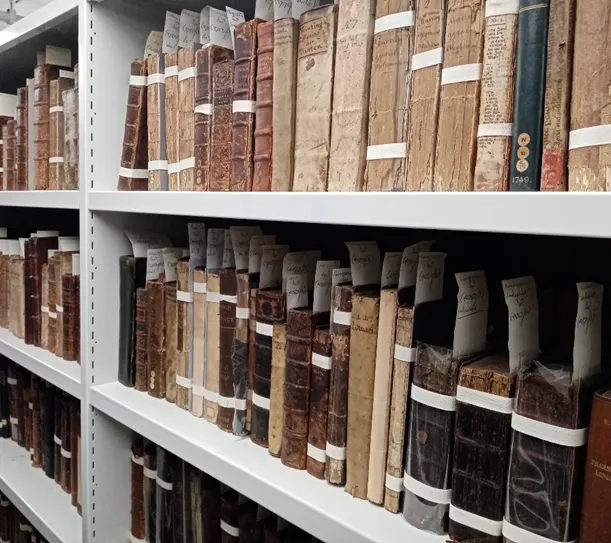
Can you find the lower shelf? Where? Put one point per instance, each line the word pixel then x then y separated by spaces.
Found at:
pixel 325 511
pixel 39 498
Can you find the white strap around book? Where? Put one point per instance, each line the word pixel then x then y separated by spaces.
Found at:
pixel 65 453
pixel 427 59
pixel 461 74
pixel 173 167
pixel 502 7
pixel 482 524
pixel 264 329
pixel 317 454
pixel 337 453
pixel 25 527
pixel 433 399
pixel 387 150
pixel 164 484
pixel 171 71
pixel 204 109
pixel 134 174
pixel 44 308
pixel 210 395
pixel 200 288
pixel 56 160
pixel 213 297
pixel 478 398
pixel 14 421
pixel 155 78
pixel 494 129
pixel 59 308
pixel 342 317
pixel 242 313
pixel 394 483
pixel 11 380
pixel 229 298
pixel 224 401
pixel 133 539
pixel 240 404
pixel 244 106
pixel 56 109
pixel 184 382
pixel 405 354
pixel 52 315
pixel 155 165
pixel 198 390
pixel 137 461
pixel 403 19
pixel 590 137
pixel 566 437
pixel 229 529
pixel 187 163
pixel 520 535
pixel 149 473
pixel 260 401
pixel 436 495
pixel 183 296
pixel 137 80
pixel 321 361
pixel 187 73
pixel 57 440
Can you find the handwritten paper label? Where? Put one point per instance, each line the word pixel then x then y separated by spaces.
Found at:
pixel 204 26
pixel 282 9
pixel 142 241
pixel 228 259
pixel 68 244
pixel 588 326
pixel 189 28
pixel 271 265
pixel 364 262
pixel 322 285
pixel 197 243
pixel 264 9
pixel 154 264
pixel 214 249
pixel 219 28
pixel 76 264
pixel 523 311
pixel 390 269
pixel 409 263
pixel 255 251
pixel 153 43
pixel 171 32
pixel 170 257
pixel 301 6
pixel 471 314
pixel 234 17
pixel 429 277
pixel 14 247
pixel 301 262
pixel 240 238
pixel 296 290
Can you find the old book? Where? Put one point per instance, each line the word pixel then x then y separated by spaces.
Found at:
pixel 51 309
pixel 229 515
pixel 205 59
pixel 36 397
pixel 133 173
pixel 155 340
pixel 194 523
pixel 240 355
pixel 4 285
pixel 222 99
pixel 48 430
pixel 315 66
pixel 243 105
pixel 556 118
pixel 588 152
pixel 44 307
pixel 76 457
pixel 186 112
pixel 76 312
pixel 252 334
pixel 250 530
pixel 40 246
pixel 459 96
pixel 286 39
pixel 140 361
pixel 29 289
pixel 183 332
pixel 213 332
pixel 17 296
pixel 137 502
pixel 3 134
pixel 56 130
pixel 9 163
pixel 227 321
pixel 170 341
pixel 155 110
pixel 24 385
pixel 70 324
pixel 496 104
pixel 199 341
pixel 42 78
pixel 57 439
pixel 172 119
pixel 63 267
pixel 262 178
pixel 149 490
pixel 71 136
pixel 211 510
pixel 180 500
pixel 271 310
pixel 349 121
pixel 66 443
pixel 21 140
pixel 165 495
pixel 13 394
pixel 56 297
pixel 276 396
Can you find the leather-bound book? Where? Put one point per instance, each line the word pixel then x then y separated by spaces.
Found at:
pixel 56 297
pixel 57 431
pixel 137 502
pixel 132 275
pixel 529 96
pixel 213 331
pixel 262 179
pixel 24 379
pixel 165 495
pixel 270 310
pixel 71 136
pixel 140 362
pixel 21 140
pixel 249 529
pixel 351 82
pixel 44 306
pixel 184 298
pixel 9 164
pixel 589 99
pixel 5 425
pixel 51 305
pixel 199 341
pixel 155 111
pixel 220 148
pixel 276 395
pixel 243 105
pixel 230 517
pixel 459 96
pixel 36 397
pixel 315 64
pixel 227 321
pixel 496 104
pixel 29 281
pixel 70 325
pixel 170 341
pixel 133 174
pixel 76 315
pixel 4 287
pixel 181 501
pixel 172 119
pixel 194 523
pixel 211 510
pixel 252 335
pixel 48 430
pixel 186 112
pixel 66 439
pixel 7 515
pixel 155 317
pixel 240 354
pixel 64 267
pixel 3 136
pixel 337 425
pixel 17 296
pixel 56 124
pixel 76 455
pixel 14 401
pixel 286 40
pixel 205 59
pixel 42 79
pixel 149 491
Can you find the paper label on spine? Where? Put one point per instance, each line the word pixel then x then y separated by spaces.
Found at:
pixel 523 312
pixel 189 28
pixel 364 262
pixel 588 326
pixel 255 251
pixel 171 32
pixel 204 26
pixel 296 291
pixel 429 277
pixel 301 262
pixel 14 247
pixel 339 276
pixel 153 43
pixel 76 264
pixel 197 243
pixel 228 259
pixel 58 56
pixel 391 269
pixel 3 232
pixel 234 17
pixel 170 257
pixel 409 263
pixel 219 28
pixel 322 285
pixel 240 239
pixel 301 6
pixel 143 241
pixel 471 314
pixel 264 9
pixel 214 249
pixel 271 265
pixel 282 9
pixel 154 264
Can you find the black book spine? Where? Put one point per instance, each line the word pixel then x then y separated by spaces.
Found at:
pixel 48 421
pixel 166 468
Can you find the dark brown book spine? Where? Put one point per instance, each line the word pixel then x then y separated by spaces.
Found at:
pixel 56 297
pixel 230 516
pixel 227 319
pixel 76 454
pixel 36 398
pixel 155 344
pixel 76 318
pixel 7 515
pixel 240 355
pixel 211 511
pixel 194 523
pixel 10 143
pixel 66 439
pixel 250 530
pixel 21 140
pixel 183 332
pixel 149 491
pixel 4 290
pixel 11 379
pixel 262 179
pixel 28 271
pixel 252 334
pixel 52 265
pixel 57 435
pixel 165 495
pixel 137 502
pixel 42 78
pixel 170 341
pixel 222 99
pixel 70 346
pixel 140 380
pixel 24 385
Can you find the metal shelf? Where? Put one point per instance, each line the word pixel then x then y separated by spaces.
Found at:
pixel 58 199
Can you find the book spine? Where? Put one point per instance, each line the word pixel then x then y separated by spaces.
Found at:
pixel 27 291
pixel 9 168
pixel 194 523
pixel 252 333
pixel 56 133
pixel 183 331
pixel 127 311
pixel 4 139
pixel 20 412
pixel 71 132
pixel 286 35
pixel 66 451
pixel 211 510
pixel 17 307
pixel 149 491
pixel 36 397
pixel 180 500
pixel 240 355
pixel 57 435
pixel 229 516
pixel 44 307
pixel 172 119
pixel 27 414
pixel 213 331
pixel 76 455
pixel 48 431
pixel 137 498
pixel 51 304
pixel 69 350
pixel 21 140
pixel 42 78
pixel 276 396
pixel 315 64
pixel 222 99
pixel 11 379
pixel 186 123
pixel 527 135
pixel 4 290
pixel 249 529
pixel 76 319
pixel 243 102
pixel 166 467
pixel 155 107
pixel 170 341
pixel 134 157
pixel 262 179
pixel 155 338
pixel 140 357
pixel 199 342
pixel 57 318
pixel 227 321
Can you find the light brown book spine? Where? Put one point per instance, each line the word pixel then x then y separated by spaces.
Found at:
pixel 170 341
pixel 213 333
pixel 65 268
pixel 222 113
pixel 4 289
pixel 42 78
pixel 240 354
pixel 155 316
pixel 141 347
pixel 459 100
pixel 155 109
pixel 56 143
pixel 71 136
pixel 182 333
pixel 496 104
pixel 315 68
pixel 17 296
pixel 44 310
pixel 3 173
pixel 199 341
pixel 276 400
pixel 186 119
pixel 9 167
pixel 171 119
pixel 21 140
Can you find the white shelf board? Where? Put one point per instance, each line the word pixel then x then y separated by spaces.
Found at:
pixel 60 199
pixel 38 497
pixel 57 371
pixel 563 214
pixel 325 511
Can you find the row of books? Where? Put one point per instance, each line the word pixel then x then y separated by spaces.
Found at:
pixel 40 291
pixel 173 501
pixel 39 127
pixel 386 377
pixel 14 526
pixel 43 420
pixel 298 99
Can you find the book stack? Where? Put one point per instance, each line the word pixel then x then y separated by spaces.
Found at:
pixel 14 526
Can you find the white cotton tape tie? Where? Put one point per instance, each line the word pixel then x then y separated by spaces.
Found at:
pixel 321 361
pixel 65 453
pixel 405 354
pixel 342 317
pixel 138 461
pixel 403 19
pixel 461 74
pixel 187 73
pixel 187 163
pixel 502 7
pixel 200 288
pixel 25 527
pixel 337 453
pixel 204 109
pixel 59 308
pixel 52 315
pixel 173 167
pixel 317 454
pixel 242 313
pixel 260 401
pixel 183 296
pixel 244 106
pixel 164 484
pixel 492 402
pixel 229 529
pixel 427 59
pixel 135 174
pixel 56 160
pixel 198 390
pixel 137 80
pixel 44 308
pixel 433 399
pixel 57 440
pixel 133 539
pixel 5 503
pixel 213 297
pixel 149 473
pixel 183 382
pixel 394 483
pixel 171 71
pixel 56 109
pixel 590 137
pixel 240 404
pixel 520 535
pixel 264 329
pixel 436 495
pixel 482 524
pixel 229 298
pixel 210 395
pixel 155 165
pixel 387 150
pixel 567 437
pixel 11 381
pixel 30 405
pixel 223 401
pixel 155 78
pixel 495 130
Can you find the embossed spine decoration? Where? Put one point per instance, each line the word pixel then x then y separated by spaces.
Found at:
pixel 227 320
pixel 57 156
pixel 186 112
pixel 276 396
pixel 42 77
pixel 172 119
pixel 140 369
pixel 222 100
pixel 170 341
pixel 183 380
pixel 213 332
pixel 21 139
pixel 155 107
pixel 199 341
pixel 155 343
pixel 71 136
pixel 9 163
pixel 240 355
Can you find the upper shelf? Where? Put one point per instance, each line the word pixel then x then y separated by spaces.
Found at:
pixel 557 214
pixel 59 199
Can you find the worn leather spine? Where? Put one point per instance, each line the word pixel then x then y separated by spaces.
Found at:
pixel 140 369
pixel 170 341
pixel 17 296
pixel 149 491
pixel 276 396
pixel 172 119
pixel 48 431
pixel 337 425
pixel 56 132
pixel 155 340
pixel 286 39
pixel 51 313
pixel 36 396
pixel 164 496
pixel 229 516
pixel 76 456
pixel 134 156
pixel 66 438
pixel 24 385
pixel 213 331
pixel 57 438
pixel 186 112
pixel 211 510
pixel 4 290
pixel 244 89
pixel 183 332
pixel 3 135
pixel 194 523
pixel 76 319
pixel 240 355
pixel 64 268
pixel 44 307
pixel 222 100
pixel 40 247
pixel 56 297
pixel 13 395
pixel 270 310
pixel 28 274
pixel 155 108
pixel 9 167
pixel 262 178
pixel 21 140
pixel 70 318
pixel 199 341
pixel 137 498
pixel 250 529
pixel 71 136
pixel 227 321
pixel 315 68
pixel 252 333
pixel 42 78
pixel 5 429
